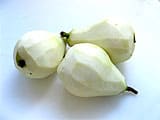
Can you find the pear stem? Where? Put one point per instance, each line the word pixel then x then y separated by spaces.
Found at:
pixel 64 35
pixel 130 89
pixel 134 38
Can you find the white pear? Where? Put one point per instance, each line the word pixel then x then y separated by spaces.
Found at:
pixel 117 38
pixel 38 53
pixel 87 71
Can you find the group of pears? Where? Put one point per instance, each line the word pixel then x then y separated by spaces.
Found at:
pixel 87 68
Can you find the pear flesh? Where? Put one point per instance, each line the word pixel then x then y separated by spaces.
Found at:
pixel 116 38
pixel 87 71
pixel 38 53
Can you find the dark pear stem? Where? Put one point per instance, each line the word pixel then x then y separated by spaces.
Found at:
pixel 64 35
pixel 130 89
pixel 134 38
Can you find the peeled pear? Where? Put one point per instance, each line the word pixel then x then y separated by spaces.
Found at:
pixel 87 71
pixel 38 53
pixel 117 38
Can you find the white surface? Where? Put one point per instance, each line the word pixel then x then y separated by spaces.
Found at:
pixel 23 99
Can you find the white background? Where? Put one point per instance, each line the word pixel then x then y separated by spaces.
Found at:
pixel 23 99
